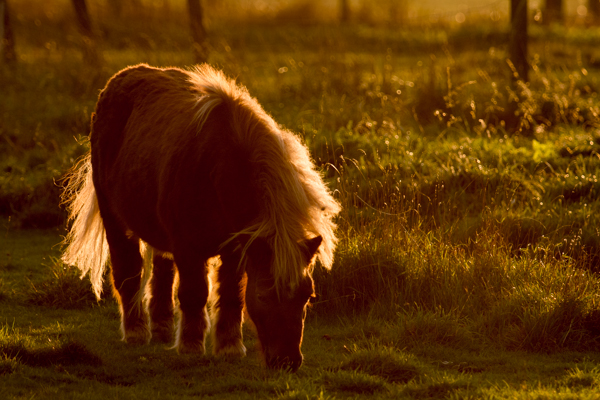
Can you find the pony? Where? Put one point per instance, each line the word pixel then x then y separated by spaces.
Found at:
pixel 184 166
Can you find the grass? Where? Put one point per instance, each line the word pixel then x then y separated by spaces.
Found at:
pixel 469 249
pixel 51 350
pixel 63 288
pixel 388 365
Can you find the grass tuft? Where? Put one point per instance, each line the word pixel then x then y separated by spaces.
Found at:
pixel 4 296
pixel 8 365
pixel 577 378
pixel 388 366
pixel 353 382
pixel 441 390
pixel 418 328
pixel 69 353
pixel 63 288
pixel 241 385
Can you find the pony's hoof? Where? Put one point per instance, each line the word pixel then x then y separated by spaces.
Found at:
pixel 137 336
pixel 233 350
pixel 198 348
pixel 162 335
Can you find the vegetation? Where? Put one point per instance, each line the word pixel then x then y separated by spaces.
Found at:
pixel 469 246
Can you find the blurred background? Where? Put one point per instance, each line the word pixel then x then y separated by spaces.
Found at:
pixel 462 138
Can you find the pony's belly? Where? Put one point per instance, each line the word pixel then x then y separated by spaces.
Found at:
pixel 155 239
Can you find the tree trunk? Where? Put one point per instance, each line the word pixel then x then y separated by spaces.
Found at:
pixel 116 7
pixel 553 12
pixel 198 32
pixel 7 38
pixel 83 17
pixel 518 39
pixel 90 50
pixel 399 12
pixel 344 11
pixel 594 11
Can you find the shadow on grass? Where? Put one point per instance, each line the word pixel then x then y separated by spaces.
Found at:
pixel 70 353
pixel 386 366
pixel 436 391
pixel 353 382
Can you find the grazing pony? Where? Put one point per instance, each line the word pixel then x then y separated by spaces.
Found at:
pixel 185 166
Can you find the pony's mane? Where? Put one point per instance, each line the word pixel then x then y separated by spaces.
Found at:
pixel 297 205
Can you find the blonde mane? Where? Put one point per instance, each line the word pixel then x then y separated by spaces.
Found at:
pixel 297 205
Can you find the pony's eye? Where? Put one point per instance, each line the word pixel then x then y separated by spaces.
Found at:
pixel 262 298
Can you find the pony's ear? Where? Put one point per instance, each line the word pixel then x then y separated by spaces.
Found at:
pixel 310 247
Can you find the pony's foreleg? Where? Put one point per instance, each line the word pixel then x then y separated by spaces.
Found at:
pixel 126 265
pixel 228 330
pixel 193 296
pixel 161 302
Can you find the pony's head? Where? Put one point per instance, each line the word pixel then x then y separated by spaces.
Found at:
pixel 278 313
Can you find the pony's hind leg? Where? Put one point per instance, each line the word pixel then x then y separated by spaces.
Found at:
pixel 161 302
pixel 126 268
pixel 193 296
pixel 228 330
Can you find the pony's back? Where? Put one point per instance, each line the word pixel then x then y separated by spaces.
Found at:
pixel 206 157
pixel 184 166
pixel 296 202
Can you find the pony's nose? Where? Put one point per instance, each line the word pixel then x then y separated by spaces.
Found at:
pixel 289 363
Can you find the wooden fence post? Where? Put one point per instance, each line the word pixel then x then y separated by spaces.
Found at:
pixel 7 37
pixel 594 11
pixel 90 49
pixel 553 12
pixel 198 32
pixel 344 11
pixel 518 39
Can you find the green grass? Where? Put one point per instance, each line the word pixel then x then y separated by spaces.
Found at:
pixel 469 249
pixel 51 351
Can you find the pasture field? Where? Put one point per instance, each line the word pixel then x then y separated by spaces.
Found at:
pixel 469 247
pixel 57 342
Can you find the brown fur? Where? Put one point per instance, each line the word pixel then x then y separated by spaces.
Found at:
pixel 190 164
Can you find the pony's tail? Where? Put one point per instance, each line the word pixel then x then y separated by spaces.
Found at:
pixel 86 245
